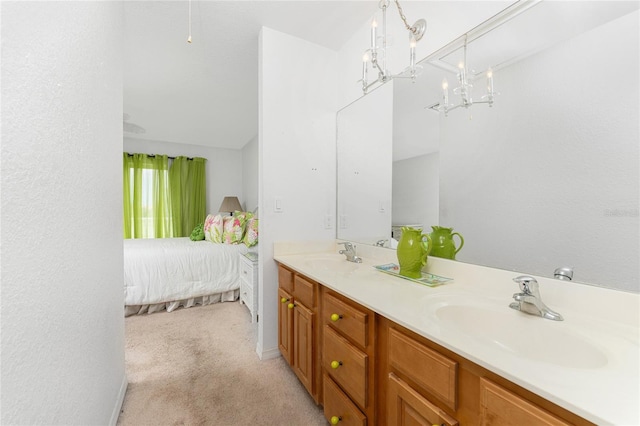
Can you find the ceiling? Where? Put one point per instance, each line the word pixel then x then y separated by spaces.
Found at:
pixel 206 92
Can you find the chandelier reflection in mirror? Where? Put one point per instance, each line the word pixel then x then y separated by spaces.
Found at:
pixel 376 56
pixel 464 91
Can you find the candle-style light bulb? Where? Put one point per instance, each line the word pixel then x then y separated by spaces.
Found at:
pixel 374 27
pixel 462 73
pixel 445 92
pixel 490 81
pixel 365 60
pixel 412 52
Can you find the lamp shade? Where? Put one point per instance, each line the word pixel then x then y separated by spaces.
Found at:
pixel 230 204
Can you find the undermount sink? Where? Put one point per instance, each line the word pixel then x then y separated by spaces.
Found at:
pixel 523 335
pixel 331 262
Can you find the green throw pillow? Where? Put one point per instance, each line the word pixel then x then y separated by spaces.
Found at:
pixel 198 232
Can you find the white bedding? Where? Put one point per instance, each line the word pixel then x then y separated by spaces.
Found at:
pixel 174 269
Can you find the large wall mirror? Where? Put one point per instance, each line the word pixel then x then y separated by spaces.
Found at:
pixel 547 176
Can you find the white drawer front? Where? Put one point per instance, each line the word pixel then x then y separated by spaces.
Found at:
pixel 246 295
pixel 246 273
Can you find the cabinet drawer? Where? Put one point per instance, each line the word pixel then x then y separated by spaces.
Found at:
pixel 246 273
pixel 285 279
pixel 432 371
pixel 499 406
pixel 305 291
pixel 351 321
pixel 351 365
pixel 337 404
pixel 246 295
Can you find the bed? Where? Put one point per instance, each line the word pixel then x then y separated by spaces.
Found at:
pixel 166 273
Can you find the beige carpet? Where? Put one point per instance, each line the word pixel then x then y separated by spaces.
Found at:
pixel 198 366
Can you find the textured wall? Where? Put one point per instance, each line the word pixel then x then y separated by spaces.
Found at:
pixel 297 151
pixel 61 255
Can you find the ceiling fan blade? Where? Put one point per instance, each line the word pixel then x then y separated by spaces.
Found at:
pixel 133 128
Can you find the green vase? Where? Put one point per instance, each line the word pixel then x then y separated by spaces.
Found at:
pixel 443 244
pixel 412 252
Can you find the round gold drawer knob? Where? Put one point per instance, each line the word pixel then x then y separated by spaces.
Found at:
pixel 336 364
pixel 335 420
pixel 290 305
pixel 335 317
pixel 284 300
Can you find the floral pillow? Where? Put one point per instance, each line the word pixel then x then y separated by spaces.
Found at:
pixel 251 234
pixel 234 227
pixel 213 227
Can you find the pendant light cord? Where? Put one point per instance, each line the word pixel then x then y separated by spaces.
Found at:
pixel 404 18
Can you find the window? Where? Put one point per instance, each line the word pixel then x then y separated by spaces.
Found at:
pixel 148 185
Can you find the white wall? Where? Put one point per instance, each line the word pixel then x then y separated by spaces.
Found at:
pixel 62 300
pixel 364 149
pixel 416 191
pixel 552 168
pixel 446 21
pixel 250 174
pixel 223 168
pixel 297 115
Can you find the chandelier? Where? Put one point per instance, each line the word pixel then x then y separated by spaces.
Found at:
pixel 375 57
pixel 464 90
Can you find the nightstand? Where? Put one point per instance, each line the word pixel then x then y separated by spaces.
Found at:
pixel 249 283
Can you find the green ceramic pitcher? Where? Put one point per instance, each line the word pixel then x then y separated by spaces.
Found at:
pixel 443 244
pixel 412 252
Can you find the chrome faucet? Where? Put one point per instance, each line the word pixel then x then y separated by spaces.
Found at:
pixel 381 243
pixel 529 300
pixel 350 252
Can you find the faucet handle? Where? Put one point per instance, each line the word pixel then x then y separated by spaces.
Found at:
pixel 527 284
pixel 347 245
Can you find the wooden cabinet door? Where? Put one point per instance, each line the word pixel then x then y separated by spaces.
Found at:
pixel 500 407
pixel 285 325
pixel 405 407
pixel 303 347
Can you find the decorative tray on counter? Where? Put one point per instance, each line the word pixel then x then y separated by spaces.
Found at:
pixel 427 279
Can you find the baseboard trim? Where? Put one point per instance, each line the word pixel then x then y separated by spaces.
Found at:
pixel 119 401
pixel 267 354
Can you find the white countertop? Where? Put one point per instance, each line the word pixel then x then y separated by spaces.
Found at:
pixel 588 363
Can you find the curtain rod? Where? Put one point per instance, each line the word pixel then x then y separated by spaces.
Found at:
pixel 153 156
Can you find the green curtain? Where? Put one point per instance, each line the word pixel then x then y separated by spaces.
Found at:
pixel 146 196
pixel 188 194
pixel 127 191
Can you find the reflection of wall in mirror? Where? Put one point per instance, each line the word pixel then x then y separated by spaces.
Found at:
pixel 536 174
pixel 416 191
pixel 364 167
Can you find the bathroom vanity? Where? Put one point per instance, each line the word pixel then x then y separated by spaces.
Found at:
pixel 377 349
